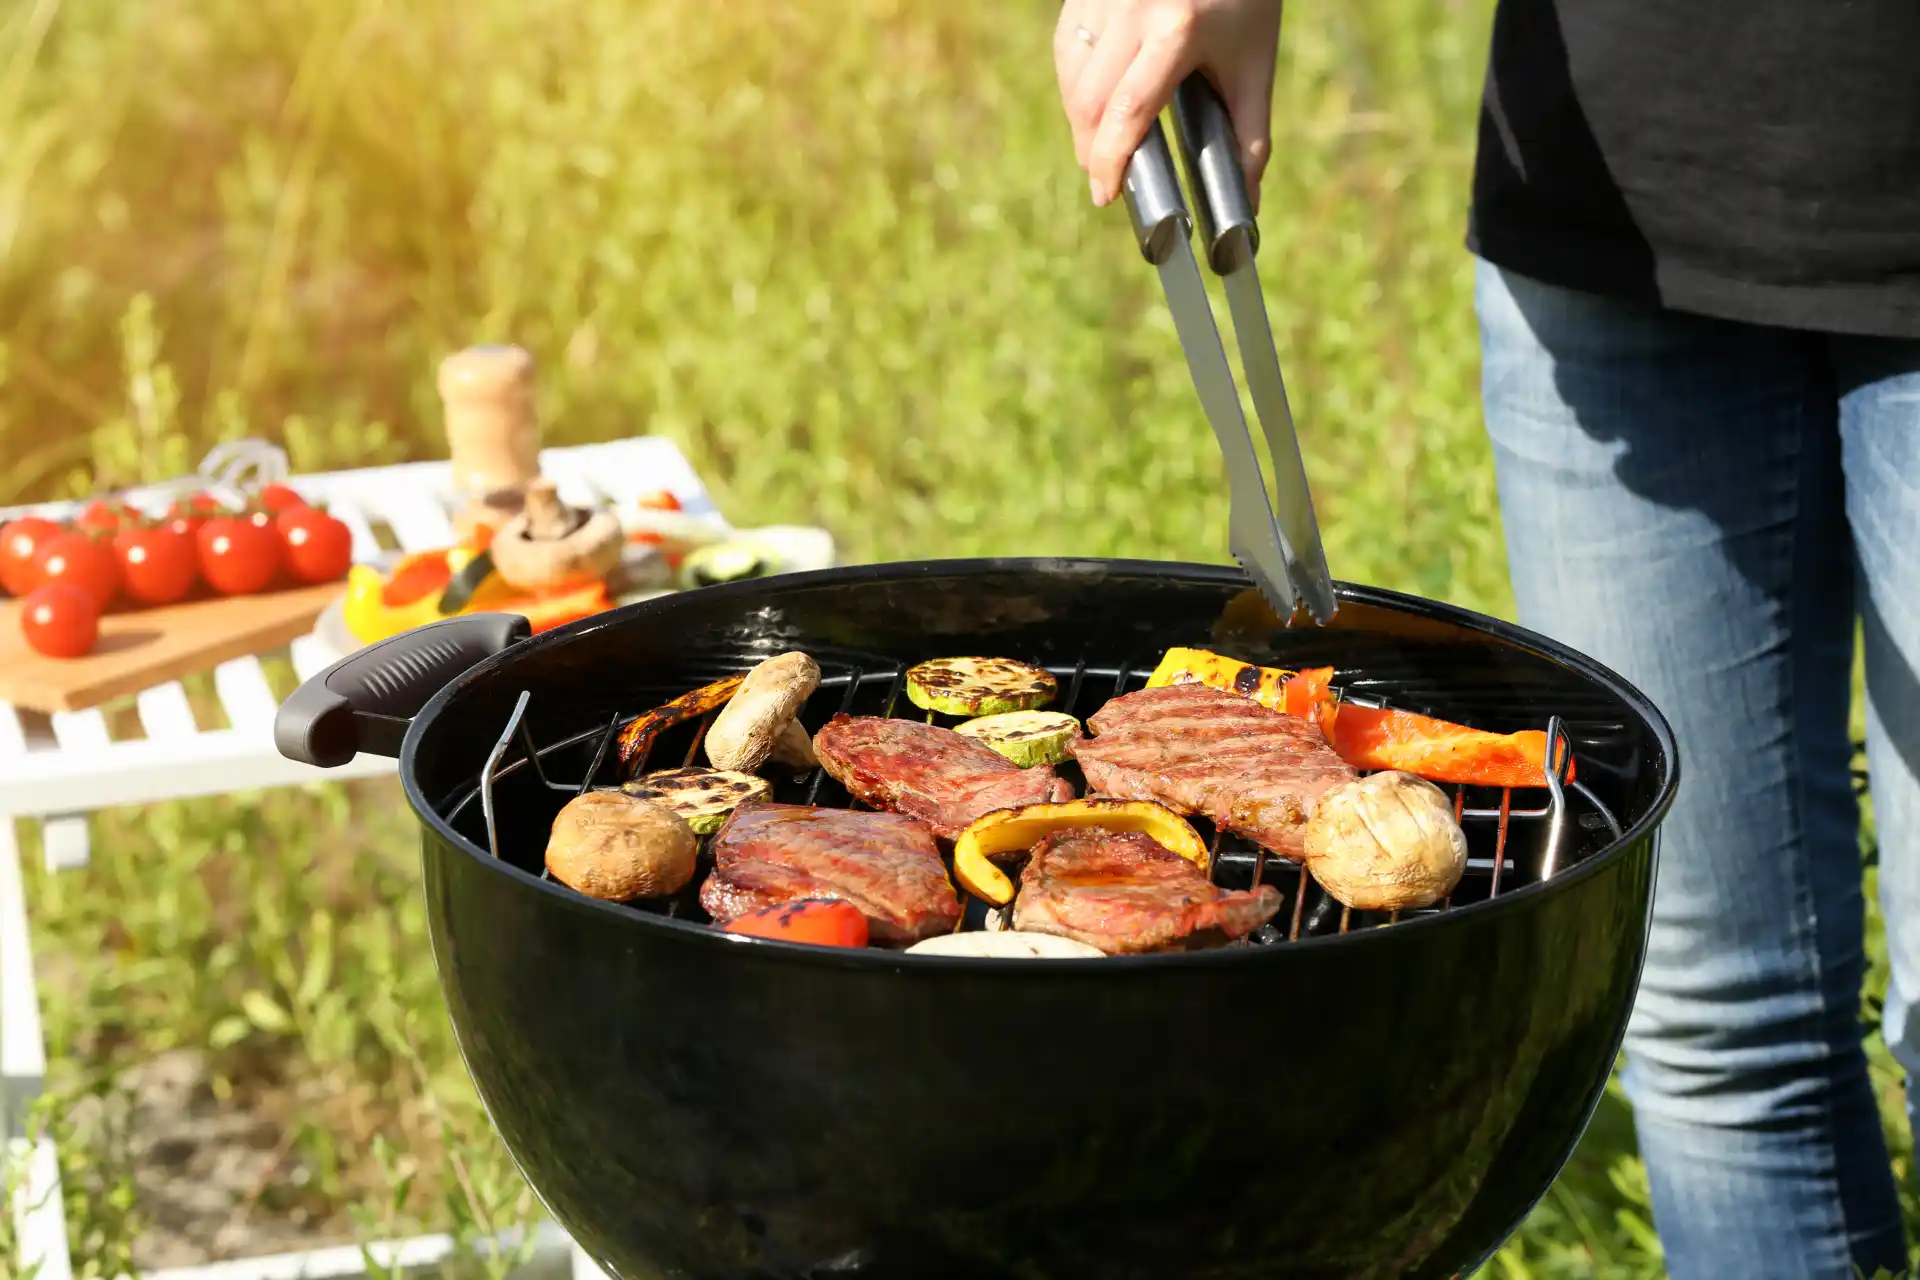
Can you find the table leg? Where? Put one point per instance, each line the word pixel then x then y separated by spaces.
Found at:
pixel 33 1166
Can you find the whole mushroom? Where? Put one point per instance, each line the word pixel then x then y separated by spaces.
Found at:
pixel 551 546
pixel 610 845
pixel 1386 842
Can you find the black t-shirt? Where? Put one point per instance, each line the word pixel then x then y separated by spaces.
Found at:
pixel 1757 160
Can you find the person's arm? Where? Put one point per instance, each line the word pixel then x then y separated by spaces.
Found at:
pixel 1120 60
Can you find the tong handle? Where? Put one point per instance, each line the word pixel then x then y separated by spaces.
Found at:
pixel 1212 156
pixel 1154 203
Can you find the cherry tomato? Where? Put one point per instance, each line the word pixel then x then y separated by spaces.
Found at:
pixel 102 515
pixel 318 547
pixel 60 620
pixel 821 922
pixel 20 543
pixel 158 563
pixel 187 526
pixel 237 556
pixel 189 513
pixel 276 498
pixel 658 500
pixel 82 560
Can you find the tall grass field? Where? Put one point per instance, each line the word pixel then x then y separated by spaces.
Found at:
pixel 841 254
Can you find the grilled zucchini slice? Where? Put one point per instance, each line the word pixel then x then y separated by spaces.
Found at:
pixel 1025 737
pixel 704 797
pixel 979 686
pixel 723 562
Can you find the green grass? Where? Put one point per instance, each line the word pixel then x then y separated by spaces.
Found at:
pixel 840 253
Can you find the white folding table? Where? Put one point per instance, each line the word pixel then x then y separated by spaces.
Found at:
pixel 56 769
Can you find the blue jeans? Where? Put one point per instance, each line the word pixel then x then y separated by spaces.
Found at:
pixel 1708 507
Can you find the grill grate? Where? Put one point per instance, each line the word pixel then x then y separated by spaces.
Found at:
pixel 1508 842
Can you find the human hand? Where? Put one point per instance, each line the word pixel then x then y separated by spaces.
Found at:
pixel 1119 62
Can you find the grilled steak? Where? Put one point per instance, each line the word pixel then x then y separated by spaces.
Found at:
pixel 886 864
pixel 932 773
pixel 1204 751
pixel 1126 892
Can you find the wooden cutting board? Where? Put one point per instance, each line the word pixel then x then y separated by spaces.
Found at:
pixel 142 648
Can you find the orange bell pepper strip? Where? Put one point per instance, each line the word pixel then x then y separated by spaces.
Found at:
pixel 546 612
pixel 1309 695
pixel 1437 750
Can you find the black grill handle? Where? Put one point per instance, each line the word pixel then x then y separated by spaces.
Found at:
pixel 365 701
pixel 1228 232
pixel 1154 203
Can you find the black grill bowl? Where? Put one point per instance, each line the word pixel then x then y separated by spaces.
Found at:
pixel 1389 1101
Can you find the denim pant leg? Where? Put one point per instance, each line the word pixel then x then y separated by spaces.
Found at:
pixel 1880 441
pixel 1672 498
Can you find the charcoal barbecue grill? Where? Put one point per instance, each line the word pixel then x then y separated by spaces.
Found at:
pixel 1341 1095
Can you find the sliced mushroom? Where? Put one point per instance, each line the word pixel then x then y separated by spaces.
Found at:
pixel 551 546
pixel 607 844
pixel 1012 944
pixel 744 734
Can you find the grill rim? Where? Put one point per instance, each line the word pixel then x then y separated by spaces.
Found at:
pixel 1197 573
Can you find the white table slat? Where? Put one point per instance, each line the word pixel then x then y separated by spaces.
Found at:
pixel 166 714
pixel 366 547
pixel 311 656
pixel 245 693
pixel 13 737
pixel 36 729
pixel 627 470
pixel 81 731
pixel 66 844
pixel 416 517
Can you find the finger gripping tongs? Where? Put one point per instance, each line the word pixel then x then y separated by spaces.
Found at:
pixel 1282 554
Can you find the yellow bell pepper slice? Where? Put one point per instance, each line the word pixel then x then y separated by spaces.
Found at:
pixel 1007 831
pixel 1265 685
pixel 372 610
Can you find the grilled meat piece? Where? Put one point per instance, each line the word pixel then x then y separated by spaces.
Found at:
pixel 1125 892
pixel 1204 751
pixel 886 864
pixel 932 773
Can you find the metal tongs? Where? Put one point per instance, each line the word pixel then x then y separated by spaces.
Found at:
pixel 1283 555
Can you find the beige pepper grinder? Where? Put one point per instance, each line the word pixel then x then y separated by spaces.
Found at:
pixel 493 437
